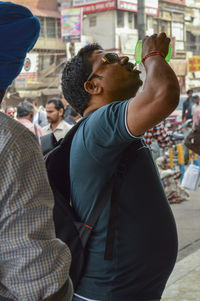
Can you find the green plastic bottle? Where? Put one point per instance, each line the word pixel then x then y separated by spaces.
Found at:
pixel 138 53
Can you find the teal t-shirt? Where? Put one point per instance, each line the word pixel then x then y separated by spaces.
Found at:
pixel 145 233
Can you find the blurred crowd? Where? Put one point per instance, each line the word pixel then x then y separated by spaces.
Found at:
pixel 53 120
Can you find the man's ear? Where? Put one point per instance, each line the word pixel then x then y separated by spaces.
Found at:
pixel 93 87
pixel 61 112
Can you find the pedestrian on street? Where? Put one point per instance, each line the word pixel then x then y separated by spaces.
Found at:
pixel 34 265
pixel 187 106
pixel 25 112
pixel 137 226
pixel 57 126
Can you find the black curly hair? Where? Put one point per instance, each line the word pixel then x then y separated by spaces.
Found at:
pixel 75 75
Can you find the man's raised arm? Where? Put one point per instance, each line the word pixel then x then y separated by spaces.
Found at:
pixel 160 95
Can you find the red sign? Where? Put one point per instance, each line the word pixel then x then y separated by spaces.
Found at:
pixel 128 5
pixel 98 6
pixel 181 2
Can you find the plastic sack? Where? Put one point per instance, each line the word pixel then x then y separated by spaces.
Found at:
pixel 191 177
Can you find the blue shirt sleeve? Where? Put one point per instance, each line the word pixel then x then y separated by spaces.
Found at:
pixel 105 132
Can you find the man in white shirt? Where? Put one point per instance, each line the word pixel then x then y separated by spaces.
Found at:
pixel 57 125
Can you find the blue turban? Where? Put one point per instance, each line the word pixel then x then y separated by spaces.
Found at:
pixel 19 31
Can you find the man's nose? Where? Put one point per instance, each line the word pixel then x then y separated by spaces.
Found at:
pixel 124 60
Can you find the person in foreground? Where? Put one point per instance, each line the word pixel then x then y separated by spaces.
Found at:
pixel 34 265
pixel 102 86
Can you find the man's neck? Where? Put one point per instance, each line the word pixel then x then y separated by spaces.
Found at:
pixel 95 104
pixel 53 126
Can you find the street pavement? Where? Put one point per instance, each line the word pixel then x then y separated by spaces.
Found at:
pixel 184 282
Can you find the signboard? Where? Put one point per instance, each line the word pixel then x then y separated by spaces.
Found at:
pixel 71 21
pixel 194 64
pixel 151 7
pixel 92 6
pixel 130 5
pixel 29 71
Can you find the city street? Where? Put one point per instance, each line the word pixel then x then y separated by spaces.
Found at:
pixel 184 282
pixel 187 215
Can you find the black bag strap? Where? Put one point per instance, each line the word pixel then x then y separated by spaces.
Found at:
pixel 110 238
pixel 100 204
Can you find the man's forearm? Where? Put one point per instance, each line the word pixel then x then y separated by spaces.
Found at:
pixel 161 82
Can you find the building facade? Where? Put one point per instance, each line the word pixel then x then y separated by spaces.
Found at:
pixel 40 75
pixel 114 25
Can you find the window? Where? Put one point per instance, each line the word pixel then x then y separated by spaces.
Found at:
pixel 177 31
pixel 131 20
pixel 42 26
pixel 51 27
pixel 92 21
pixel 120 18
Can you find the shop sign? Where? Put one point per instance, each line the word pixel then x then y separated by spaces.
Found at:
pixel 130 5
pixel 71 22
pixel 29 71
pixel 151 7
pixel 92 6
